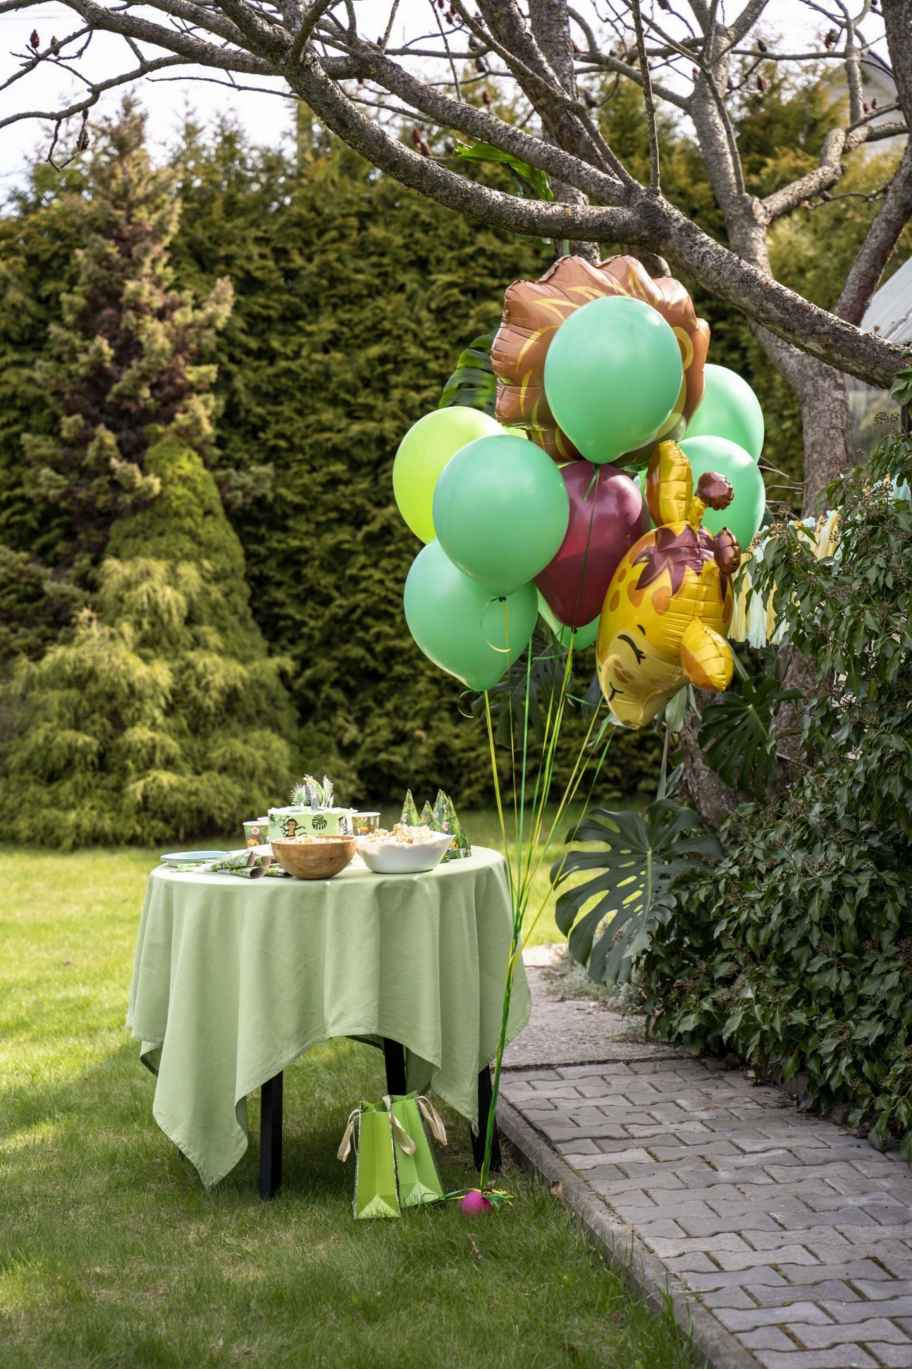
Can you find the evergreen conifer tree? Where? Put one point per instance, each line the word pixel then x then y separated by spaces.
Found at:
pixel 160 714
pixel 125 361
pixel 163 717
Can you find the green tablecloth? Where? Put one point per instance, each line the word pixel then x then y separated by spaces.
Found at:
pixel 233 979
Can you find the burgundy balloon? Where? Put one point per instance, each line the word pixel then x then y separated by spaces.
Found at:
pixel 607 515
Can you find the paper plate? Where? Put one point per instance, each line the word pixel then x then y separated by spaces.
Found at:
pixel 190 857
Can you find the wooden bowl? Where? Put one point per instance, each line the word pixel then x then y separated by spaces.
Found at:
pixel 315 858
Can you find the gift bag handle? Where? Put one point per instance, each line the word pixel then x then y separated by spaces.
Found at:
pixel 433 1119
pixel 349 1137
pixel 407 1145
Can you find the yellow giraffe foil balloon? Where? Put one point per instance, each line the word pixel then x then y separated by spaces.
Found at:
pixel 669 603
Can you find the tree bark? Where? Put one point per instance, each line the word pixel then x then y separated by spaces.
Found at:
pixel 703 788
pixel 551 27
pixel 824 427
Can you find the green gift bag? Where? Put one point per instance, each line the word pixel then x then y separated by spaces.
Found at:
pixel 419 1181
pixel 370 1130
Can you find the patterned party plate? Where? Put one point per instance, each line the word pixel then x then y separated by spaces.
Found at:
pixel 176 859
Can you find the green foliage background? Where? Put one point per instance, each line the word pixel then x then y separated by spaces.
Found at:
pixel 353 298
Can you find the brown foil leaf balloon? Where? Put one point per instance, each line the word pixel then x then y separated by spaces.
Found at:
pixel 535 309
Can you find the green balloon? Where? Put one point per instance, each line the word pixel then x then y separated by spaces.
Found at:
pixel 459 625
pixel 424 451
pixel 729 408
pixel 745 513
pixel 581 637
pixel 501 511
pixel 612 375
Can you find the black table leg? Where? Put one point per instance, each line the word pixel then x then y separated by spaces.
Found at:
pixel 394 1059
pixel 271 1137
pixel 484 1109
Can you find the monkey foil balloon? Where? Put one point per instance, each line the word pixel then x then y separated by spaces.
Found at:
pixel 669 603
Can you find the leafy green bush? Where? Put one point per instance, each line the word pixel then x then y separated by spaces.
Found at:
pixel 795 951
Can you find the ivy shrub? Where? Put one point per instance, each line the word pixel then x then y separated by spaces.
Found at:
pixel 795 950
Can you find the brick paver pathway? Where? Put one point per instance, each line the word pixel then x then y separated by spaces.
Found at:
pixel 795 1236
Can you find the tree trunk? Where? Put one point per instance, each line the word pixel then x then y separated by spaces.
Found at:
pixel 703 788
pixel 824 405
pixel 825 430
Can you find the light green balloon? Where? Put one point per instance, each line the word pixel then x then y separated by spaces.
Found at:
pixel 501 511
pixel 612 375
pixel 745 513
pixel 424 451
pixel 461 626
pixel 729 408
pixel 581 637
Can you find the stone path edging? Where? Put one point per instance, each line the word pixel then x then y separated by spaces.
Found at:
pixel 783 1240
pixel 646 1271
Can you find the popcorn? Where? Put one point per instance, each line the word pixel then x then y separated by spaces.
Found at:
pixel 402 834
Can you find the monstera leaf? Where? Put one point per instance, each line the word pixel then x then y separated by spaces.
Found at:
pixel 530 180
pixel 634 870
pixel 737 735
pixel 472 383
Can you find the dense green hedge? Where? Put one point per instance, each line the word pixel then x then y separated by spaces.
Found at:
pixel 795 951
pixel 352 300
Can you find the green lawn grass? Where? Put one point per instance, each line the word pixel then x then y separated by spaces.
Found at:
pixel 112 1256
pixel 483 827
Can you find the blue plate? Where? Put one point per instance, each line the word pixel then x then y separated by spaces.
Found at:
pixel 190 857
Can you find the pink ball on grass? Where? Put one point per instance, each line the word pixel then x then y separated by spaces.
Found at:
pixel 474 1203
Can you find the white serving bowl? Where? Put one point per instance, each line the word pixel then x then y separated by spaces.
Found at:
pixel 394 859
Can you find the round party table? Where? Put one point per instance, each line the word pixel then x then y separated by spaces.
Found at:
pixel 233 979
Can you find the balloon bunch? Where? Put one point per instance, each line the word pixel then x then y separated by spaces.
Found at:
pixel 599 369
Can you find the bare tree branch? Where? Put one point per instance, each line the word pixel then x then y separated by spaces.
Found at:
pixel 309 21
pixel 685 56
pixel 742 24
pixel 806 187
pixel 898 27
pixel 880 240
pixel 655 171
pixel 487 127
pixel 97 89
pixel 195 48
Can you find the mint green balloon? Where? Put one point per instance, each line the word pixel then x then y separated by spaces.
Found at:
pixel 729 408
pixel 581 637
pixel 461 626
pixel 426 448
pixel 745 513
pixel 501 511
pixel 612 375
